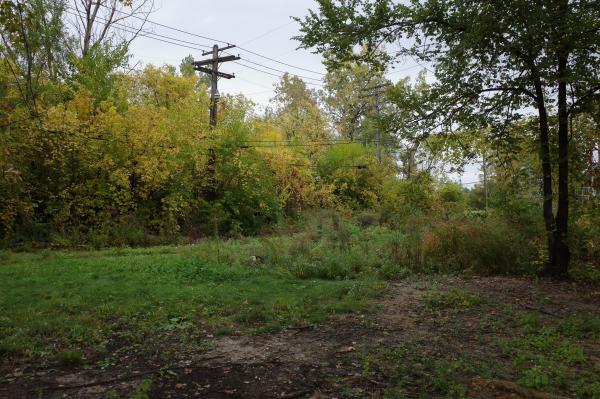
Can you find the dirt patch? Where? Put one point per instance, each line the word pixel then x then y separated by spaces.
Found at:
pixel 408 347
pixel 238 380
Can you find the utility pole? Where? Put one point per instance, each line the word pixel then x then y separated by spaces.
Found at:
pixel 378 131
pixel 376 92
pixel 485 182
pixel 214 73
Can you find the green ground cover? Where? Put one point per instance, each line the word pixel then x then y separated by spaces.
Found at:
pixel 60 301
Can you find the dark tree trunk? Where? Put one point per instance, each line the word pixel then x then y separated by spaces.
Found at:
pixel 546 174
pixel 563 254
pixel 559 268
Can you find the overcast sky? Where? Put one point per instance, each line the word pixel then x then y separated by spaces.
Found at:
pixel 262 26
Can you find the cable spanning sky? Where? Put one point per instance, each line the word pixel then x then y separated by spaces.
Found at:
pixel 263 30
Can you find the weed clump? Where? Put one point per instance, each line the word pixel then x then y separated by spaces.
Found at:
pixel 70 358
pixel 452 299
pixel 549 356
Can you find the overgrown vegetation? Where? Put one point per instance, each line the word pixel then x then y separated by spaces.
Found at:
pixel 129 222
pixel 541 355
pixel 98 157
pixel 326 264
pixel 92 298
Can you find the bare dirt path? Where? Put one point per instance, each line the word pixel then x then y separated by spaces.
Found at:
pixel 430 337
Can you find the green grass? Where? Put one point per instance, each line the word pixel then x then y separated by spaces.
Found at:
pixel 51 302
pixel 545 355
pixel 550 357
pixel 452 299
pixel 411 364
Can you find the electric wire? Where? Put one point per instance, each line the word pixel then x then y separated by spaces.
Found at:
pixel 270 73
pixel 255 83
pixel 267 33
pixel 151 35
pixel 280 62
pixel 215 40
pixel 257 93
pixel 395 71
pixel 275 69
pixel 241 145
pixel 186 44
pixel 198 46
pixel 166 26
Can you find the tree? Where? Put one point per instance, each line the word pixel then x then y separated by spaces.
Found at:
pixel 101 21
pixel 33 45
pixel 105 29
pixel 345 97
pixel 354 174
pixel 410 102
pixel 491 64
pixel 97 72
pixel 297 111
pixel 186 67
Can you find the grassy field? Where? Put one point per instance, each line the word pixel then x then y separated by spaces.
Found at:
pixel 53 303
pixel 335 311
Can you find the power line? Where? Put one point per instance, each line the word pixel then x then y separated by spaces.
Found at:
pixel 256 84
pixel 244 143
pixel 171 147
pixel 259 144
pixel 280 62
pixel 213 39
pixel 241 145
pixel 361 166
pixel 267 33
pixel 272 74
pixel 279 70
pixel 343 141
pixel 186 44
pixel 256 93
pixel 403 70
pixel 12 123
pixel 150 35
pixel 421 65
pixel 166 26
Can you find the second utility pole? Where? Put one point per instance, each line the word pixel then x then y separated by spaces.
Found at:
pixel 376 92
pixel 215 75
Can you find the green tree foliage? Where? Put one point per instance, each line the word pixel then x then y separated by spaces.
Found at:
pixel 409 104
pixel 33 46
pixel 297 111
pixel 96 71
pixel 491 63
pixel 354 175
pixel 349 98
pixel 140 164
pixel 186 67
pixel 96 154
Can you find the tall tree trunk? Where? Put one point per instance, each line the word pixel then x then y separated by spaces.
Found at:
pixel 563 254
pixel 560 267
pixel 546 174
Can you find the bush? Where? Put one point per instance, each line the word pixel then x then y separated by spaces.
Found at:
pixel 70 358
pixel 405 199
pixel 482 247
pixel 367 218
pixel 586 231
pixel 335 248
